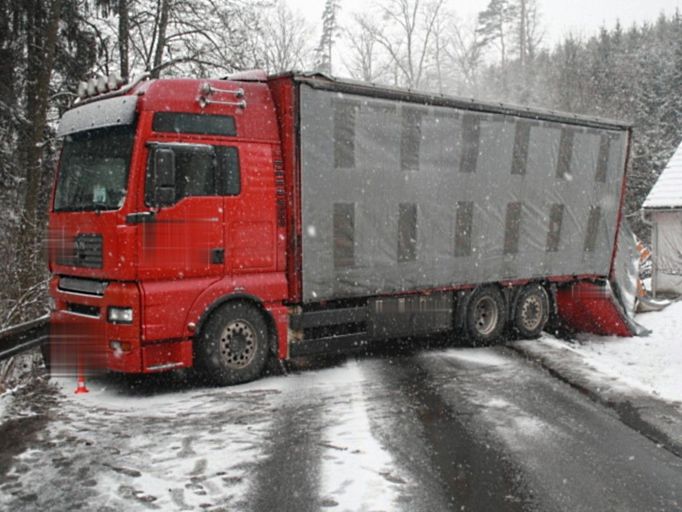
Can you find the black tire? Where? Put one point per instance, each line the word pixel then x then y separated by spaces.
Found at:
pixel 531 311
pixel 233 345
pixel 486 315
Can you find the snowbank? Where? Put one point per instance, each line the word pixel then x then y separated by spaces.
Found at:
pixel 650 364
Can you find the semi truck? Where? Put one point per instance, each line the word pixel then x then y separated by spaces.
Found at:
pixel 220 223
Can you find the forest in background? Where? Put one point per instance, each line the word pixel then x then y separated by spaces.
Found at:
pixel 48 46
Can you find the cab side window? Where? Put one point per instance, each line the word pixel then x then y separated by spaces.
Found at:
pixel 200 170
pixel 195 173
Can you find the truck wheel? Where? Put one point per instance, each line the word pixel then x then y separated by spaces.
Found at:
pixel 531 311
pixel 233 346
pixel 486 315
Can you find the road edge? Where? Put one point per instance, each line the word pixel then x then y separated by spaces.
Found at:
pixel 658 420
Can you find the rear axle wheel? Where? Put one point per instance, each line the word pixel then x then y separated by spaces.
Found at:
pixel 486 315
pixel 531 311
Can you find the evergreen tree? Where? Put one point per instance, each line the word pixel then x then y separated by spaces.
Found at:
pixel 495 25
pixel 330 29
pixel 673 93
pixel 122 9
pixel 44 46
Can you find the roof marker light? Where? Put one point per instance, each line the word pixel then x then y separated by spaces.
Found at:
pixel 91 87
pixel 114 81
pixel 101 84
pixel 82 90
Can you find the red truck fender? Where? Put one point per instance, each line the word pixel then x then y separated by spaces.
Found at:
pixel 256 292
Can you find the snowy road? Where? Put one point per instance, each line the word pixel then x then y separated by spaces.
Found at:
pixel 456 429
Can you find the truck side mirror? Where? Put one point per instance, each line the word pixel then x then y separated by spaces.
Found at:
pixel 164 177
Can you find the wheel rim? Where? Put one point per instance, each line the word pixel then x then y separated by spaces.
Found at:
pixel 238 343
pixel 485 314
pixel 531 312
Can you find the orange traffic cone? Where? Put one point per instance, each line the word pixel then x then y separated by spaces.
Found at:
pixel 81 387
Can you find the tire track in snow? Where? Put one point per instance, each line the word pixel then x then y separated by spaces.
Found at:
pixel 357 472
pixel 321 452
pixel 286 478
pixel 453 468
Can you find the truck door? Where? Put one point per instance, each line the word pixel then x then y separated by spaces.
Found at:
pixel 182 234
pixel 250 210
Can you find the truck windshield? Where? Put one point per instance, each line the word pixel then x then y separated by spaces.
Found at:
pixel 93 171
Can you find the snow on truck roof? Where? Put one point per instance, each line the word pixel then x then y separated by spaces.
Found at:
pixel 667 191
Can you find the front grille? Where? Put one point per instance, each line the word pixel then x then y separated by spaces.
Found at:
pixel 84 286
pixel 87 251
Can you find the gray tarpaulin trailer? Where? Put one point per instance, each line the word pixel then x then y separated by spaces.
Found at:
pixel 407 197
pixel 402 195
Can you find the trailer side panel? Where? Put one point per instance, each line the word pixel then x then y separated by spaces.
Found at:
pixel 400 196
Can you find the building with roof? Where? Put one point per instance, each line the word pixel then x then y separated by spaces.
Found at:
pixel 663 209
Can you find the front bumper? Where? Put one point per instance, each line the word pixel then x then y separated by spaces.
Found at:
pixel 81 337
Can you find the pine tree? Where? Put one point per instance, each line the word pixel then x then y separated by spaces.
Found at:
pixel 570 87
pixel 674 90
pixel 495 25
pixel 41 49
pixel 45 49
pixel 330 30
pixel 122 9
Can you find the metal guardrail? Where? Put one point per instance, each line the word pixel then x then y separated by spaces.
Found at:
pixel 22 337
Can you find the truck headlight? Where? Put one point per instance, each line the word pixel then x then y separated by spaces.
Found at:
pixel 118 315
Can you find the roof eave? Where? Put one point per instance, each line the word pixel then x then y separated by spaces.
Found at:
pixel 662 208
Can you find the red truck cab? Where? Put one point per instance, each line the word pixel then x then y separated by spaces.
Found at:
pixel 165 208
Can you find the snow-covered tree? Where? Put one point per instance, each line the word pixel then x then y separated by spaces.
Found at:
pixel 496 26
pixel 285 40
pixel 43 45
pixel 330 31
pixel 364 60
pixel 406 35
pixel 465 51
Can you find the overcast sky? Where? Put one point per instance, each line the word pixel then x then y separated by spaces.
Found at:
pixel 559 17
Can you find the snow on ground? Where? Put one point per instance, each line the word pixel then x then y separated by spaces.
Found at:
pixel 519 427
pixel 482 357
pixel 148 453
pixel 202 448
pixel 185 447
pixel 651 364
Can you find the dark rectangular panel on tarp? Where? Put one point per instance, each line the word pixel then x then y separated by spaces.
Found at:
pixel 407 232
pixel 400 196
